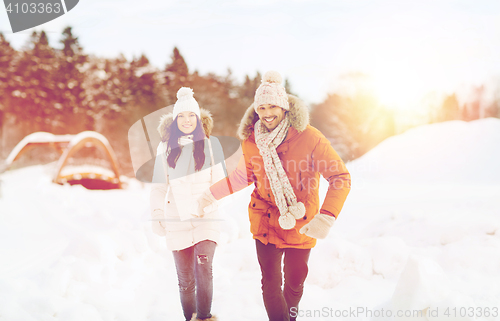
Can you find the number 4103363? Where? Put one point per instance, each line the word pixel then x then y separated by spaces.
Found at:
pixel 471 312
pixel 34 7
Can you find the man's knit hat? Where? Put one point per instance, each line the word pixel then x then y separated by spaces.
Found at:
pixel 186 102
pixel 271 91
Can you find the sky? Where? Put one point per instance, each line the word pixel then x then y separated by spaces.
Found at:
pixel 404 50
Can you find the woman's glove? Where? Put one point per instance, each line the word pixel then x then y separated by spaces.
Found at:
pixel 207 203
pixel 157 224
pixel 319 226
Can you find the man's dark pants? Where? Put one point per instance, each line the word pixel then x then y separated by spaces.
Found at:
pixel 278 302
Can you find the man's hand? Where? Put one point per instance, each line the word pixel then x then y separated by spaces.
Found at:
pixel 157 223
pixel 206 203
pixel 319 226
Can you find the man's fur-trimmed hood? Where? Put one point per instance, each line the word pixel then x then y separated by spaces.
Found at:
pixel 298 116
pixel 167 120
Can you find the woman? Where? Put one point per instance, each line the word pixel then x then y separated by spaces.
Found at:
pixel 191 161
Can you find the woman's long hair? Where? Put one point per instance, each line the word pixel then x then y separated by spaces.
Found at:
pixel 175 149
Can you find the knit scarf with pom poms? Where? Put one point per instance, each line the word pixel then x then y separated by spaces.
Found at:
pixel 286 201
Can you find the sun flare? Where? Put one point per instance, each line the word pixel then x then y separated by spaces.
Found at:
pixel 397 87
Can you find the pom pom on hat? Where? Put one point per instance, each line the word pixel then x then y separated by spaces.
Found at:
pixel 271 91
pixel 186 102
pixel 185 92
pixel 272 76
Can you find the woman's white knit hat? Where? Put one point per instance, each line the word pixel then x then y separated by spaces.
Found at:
pixel 271 91
pixel 186 102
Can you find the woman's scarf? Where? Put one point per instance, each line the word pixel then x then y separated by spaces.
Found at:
pixel 185 163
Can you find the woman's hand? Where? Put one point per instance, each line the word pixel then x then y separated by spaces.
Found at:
pixel 206 203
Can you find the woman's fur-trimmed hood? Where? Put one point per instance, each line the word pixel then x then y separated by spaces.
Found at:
pixel 298 116
pixel 167 120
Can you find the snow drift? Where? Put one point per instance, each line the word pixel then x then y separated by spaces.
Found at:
pixel 451 152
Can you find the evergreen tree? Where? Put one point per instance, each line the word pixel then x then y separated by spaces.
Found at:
pixel 247 90
pixel 288 87
pixel 69 85
pixel 34 94
pixel 493 109
pixel 329 119
pixel 145 87
pixel 219 95
pixel 475 109
pixel 450 109
pixel 354 124
pixel 176 75
pixel 7 57
pixel 178 65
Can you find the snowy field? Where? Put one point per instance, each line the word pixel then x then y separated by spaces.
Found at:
pixel 420 231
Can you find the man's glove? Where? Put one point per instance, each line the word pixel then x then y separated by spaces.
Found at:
pixel 157 224
pixel 319 226
pixel 207 203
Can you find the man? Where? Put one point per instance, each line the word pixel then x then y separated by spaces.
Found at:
pixel 283 156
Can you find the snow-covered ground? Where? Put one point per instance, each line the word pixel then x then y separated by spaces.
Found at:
pixel 419 231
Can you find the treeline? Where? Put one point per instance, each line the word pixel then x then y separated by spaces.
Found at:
pixel 354 124
pixel 64 90
pixel 477 107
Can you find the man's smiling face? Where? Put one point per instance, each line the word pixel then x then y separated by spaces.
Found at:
pixel 270 115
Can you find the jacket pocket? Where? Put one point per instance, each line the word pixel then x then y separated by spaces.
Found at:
pixel 259 213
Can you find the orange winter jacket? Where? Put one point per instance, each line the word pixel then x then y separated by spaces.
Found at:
pixel 305 154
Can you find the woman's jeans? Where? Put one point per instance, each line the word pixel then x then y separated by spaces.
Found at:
pixel 282 305
pixel 194 271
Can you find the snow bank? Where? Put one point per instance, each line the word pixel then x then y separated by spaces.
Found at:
pixel 422 283
pixel 451 152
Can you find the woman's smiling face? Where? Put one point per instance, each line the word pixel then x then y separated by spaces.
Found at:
pixel 187 122
pixel 270 115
